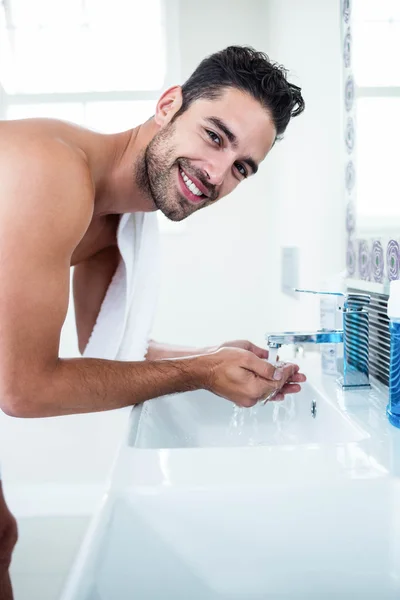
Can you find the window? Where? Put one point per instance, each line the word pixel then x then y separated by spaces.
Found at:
pixel 98 63
pixel 107 116
pixel 83 45
pixel 376 38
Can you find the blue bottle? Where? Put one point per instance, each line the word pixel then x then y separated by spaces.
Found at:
pixel 393 408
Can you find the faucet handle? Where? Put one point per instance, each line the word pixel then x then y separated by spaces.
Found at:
pixel 351 297
pixel 319 292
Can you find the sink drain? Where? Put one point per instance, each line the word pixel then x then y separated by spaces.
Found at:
pixel 314 408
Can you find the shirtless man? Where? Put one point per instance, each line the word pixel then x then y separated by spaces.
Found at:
pixel 63 189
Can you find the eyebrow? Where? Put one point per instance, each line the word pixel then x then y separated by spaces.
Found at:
pixel 232 138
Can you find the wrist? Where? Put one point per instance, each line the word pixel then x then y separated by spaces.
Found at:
pixel 200 370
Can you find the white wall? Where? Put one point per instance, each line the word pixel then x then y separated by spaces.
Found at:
pixel 221 275
pixel 2 103
pixel 307 173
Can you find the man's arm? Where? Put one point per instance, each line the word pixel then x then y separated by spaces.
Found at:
pixel 158 350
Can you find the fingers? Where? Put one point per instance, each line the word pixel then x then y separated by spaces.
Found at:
pixel 276 375
pixel 260 367
pixel 289 371
pixel 274 395
pixel 290 388
pixel 298 378
pixel 260 352
pixel 278 381
pixel 296 368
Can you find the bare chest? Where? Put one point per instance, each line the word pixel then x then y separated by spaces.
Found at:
pixel 101 233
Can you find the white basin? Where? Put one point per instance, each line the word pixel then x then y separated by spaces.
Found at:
pixel 209 502
pixel 264 542
pixel 201 419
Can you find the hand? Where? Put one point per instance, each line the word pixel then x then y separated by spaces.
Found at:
pixel 244 378
pixel 246 345
pixel 289 387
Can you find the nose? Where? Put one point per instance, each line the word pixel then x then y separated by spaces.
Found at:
pixel 217 170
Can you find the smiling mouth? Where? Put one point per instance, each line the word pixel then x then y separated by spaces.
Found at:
pixel 191 185
pixel 190 189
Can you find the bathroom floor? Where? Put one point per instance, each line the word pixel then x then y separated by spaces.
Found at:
pixel 44 555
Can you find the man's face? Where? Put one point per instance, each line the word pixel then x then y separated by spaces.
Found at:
pixel 206 152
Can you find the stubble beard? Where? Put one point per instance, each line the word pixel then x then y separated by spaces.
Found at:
pixel 154 176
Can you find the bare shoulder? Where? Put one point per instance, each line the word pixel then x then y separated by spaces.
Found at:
pixel 45 180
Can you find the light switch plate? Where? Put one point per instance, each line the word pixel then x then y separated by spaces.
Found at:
pixel 290 270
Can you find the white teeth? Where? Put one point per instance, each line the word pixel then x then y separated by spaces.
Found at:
pixel 190 185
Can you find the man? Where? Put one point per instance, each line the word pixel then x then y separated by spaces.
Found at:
pixel 63 190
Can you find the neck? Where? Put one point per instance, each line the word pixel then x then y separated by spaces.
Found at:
pixel 114 163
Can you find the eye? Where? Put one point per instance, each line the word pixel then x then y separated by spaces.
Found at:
pixel 214 137
pixel 242 170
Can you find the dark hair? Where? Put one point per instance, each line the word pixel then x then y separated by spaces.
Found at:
pixel 244 68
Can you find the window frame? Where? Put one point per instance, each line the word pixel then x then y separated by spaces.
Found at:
pixel 368 225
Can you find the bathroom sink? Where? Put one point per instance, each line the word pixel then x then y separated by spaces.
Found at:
pixel 265 542
pixel 201 419
pixel 211 502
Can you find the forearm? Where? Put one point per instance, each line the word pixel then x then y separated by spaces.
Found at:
pixel 82 385
pixel 158 350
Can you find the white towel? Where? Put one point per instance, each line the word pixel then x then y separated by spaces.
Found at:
pixel 126 315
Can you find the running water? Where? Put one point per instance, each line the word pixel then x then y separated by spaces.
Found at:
pixel 273 355
pixel 248 419
pixel 244 420
pixel 236 423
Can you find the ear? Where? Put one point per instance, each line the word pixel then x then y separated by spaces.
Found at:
pixel 168 105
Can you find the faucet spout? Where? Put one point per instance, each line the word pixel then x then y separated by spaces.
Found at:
pixel 354 367
pixel 322 336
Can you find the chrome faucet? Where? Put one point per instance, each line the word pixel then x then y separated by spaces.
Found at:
pixel 322 336
pixel 354 335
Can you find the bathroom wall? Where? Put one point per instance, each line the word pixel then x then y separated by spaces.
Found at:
pixel 222 269
pixel 222 275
